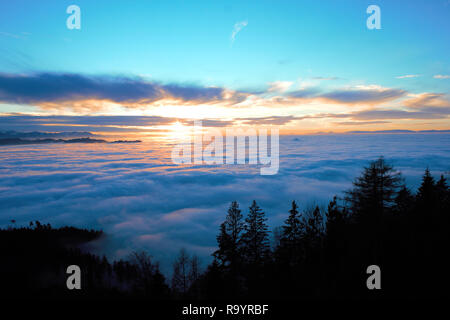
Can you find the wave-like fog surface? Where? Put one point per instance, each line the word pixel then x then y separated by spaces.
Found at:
pixel 143 201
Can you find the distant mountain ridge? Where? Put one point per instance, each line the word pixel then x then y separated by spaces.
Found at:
pixel 18 141
pixel 37 137
pixel 11 134
pixel 382 131
pixel 401 131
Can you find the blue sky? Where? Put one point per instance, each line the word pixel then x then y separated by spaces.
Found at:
pixel 190 40
pixel 189 43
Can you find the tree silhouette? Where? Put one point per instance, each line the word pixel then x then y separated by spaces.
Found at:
pixel 425 193
pixel 194 272
pixel 181 270
pixel 404 202
pixel 374 192
pixel 314 226
pixel 293 228
pixel 229 239
pixel 255 238
pixel 149 279
pixel 291 247
pixel 336 218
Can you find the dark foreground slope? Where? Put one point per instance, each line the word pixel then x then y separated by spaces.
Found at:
pixel 34 262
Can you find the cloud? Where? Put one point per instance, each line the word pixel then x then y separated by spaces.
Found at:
pixel 22 35
pixel 393 114
pixel 442 76
pixel 118 124
pixel 76 91
pixel 418 106
pixel 429 102
pixel 193 93
pixel 279 86
pixel 408 76
pixel 326 78
pixel 124 124
pixel 90 123
pixel 368 95
pixel 144 202
pixel 359 123
pixel 67 93
pixel 56 87
pixel 274 120
pixel 363 94
pixel 304 93
pixel 44 135
pixel 238 26
pixel 208 122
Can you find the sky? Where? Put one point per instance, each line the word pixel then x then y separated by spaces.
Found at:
pixel 305 66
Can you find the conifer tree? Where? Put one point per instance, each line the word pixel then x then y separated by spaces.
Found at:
pixel 442 190
pixel 255 238
pixel 404 201
pixel 290 249
pixel 426 191
pixel 335 217
pixel 442 183
pixel 229 239
pixel 333 212
pixel 223 241
pixel 234 225
pixel 374 192
pixel 292 230
pixel 314 227
pixel 336 220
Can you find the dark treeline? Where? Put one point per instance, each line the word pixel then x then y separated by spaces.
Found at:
pixel 316 253
pixel 34 261
pixel 325 253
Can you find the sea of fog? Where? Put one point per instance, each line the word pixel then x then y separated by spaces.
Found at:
pixel 143 201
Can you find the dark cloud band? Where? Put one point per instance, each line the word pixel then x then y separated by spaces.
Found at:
pixel 41 88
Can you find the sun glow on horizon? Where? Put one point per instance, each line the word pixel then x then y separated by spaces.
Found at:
pixel 177 131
